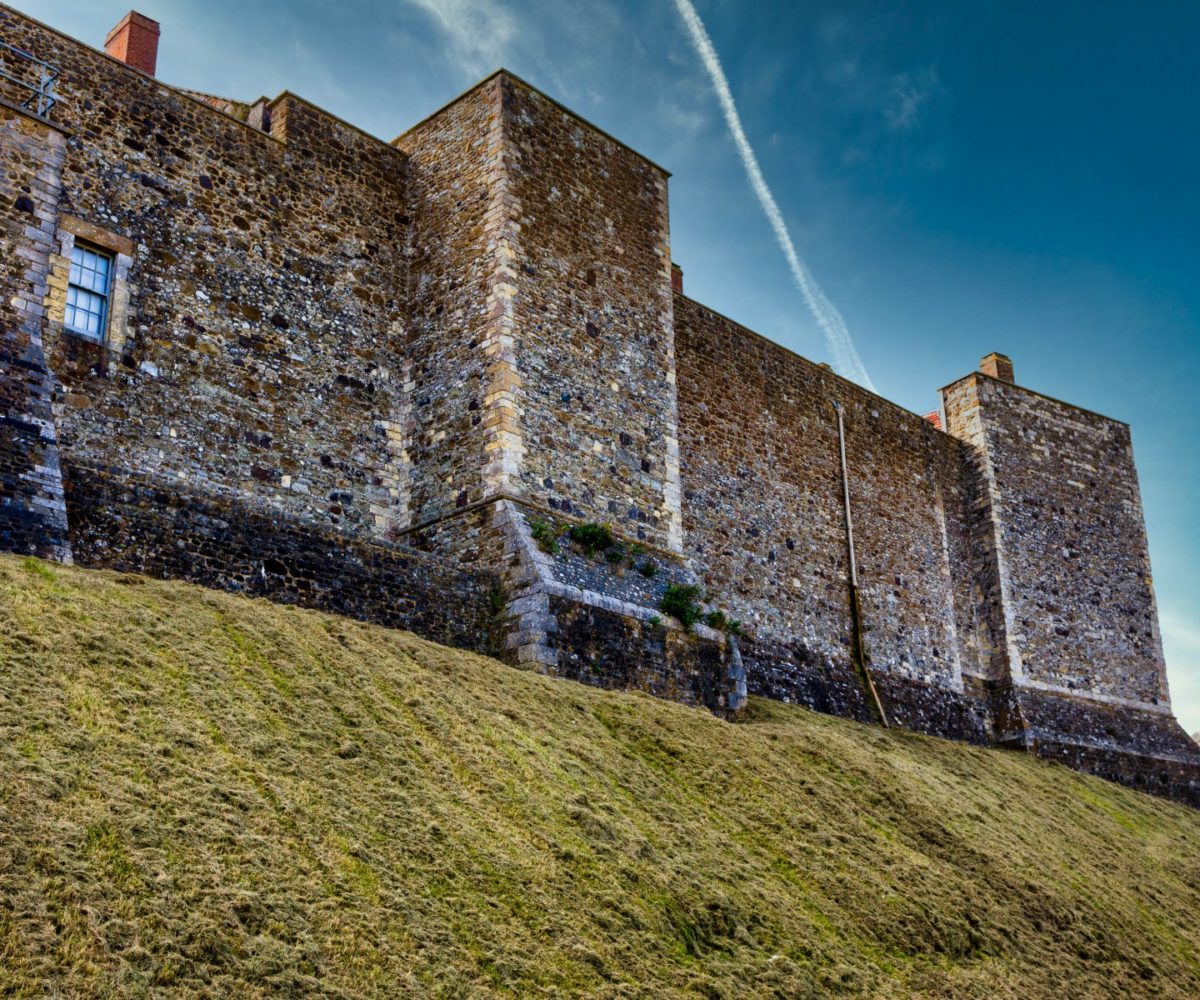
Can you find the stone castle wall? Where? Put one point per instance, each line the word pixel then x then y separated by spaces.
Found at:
pixel 33 513
pixel 593 309
pixel 1074 559
pixel 259 357
pixel 355 375
pixel 243 423
pixel 455 354
pixel 541 311
pixel 765 522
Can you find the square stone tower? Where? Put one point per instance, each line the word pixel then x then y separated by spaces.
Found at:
pixel 1064 577
pixel 541 316
pixel 542 378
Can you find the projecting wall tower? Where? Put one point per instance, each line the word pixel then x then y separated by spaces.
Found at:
pixel 1063 576
pixel 543 383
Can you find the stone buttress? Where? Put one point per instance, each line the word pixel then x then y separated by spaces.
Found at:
pixel 544 386
pixel 1075 665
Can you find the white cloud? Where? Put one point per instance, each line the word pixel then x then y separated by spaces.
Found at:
pixel 907 98
pixel 684 122
pixel 845 356
pixel 481 32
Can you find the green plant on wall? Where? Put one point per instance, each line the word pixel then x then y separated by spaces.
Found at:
pixel 723 623
pixel 648 569
pixel 545 536
pixel 591 537
pixel 682 601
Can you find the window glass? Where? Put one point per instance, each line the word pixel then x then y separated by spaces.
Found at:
pixel 87 292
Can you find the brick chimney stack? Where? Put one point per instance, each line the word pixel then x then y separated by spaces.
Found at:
pixel 998 366
pixel 135 42
pixel 676 278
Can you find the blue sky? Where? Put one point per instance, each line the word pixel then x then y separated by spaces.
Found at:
pixel 960 178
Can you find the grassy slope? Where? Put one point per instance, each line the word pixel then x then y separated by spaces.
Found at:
pixel 229 798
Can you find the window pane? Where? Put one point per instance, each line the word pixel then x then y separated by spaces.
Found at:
pixel 87 291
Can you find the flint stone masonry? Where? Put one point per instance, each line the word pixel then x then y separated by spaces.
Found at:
pixel 765 520
pixel 33 513
pixel 541 312
pixel 1075 565
pixel 354 374
pixel 138 525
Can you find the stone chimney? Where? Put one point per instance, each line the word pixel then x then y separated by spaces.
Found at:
pixel 998 366
pixel 676 278
pixel 135 42
pixel 259 116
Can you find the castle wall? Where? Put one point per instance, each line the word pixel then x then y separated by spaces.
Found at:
pixel 1073 558
pixel 33 516
pixel 243 425
pixel 256 346
pixel 1071 605
pixel 352 375
pixel 542 361
pixel 167 531
pixel 459 347
pixel 593 310
pixel 765 526
pixel 541 316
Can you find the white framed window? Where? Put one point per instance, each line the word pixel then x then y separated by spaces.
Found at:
pixel 88 289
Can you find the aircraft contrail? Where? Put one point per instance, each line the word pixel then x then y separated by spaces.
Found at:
pixel 845 358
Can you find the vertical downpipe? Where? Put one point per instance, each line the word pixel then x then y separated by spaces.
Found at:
pixel 856 651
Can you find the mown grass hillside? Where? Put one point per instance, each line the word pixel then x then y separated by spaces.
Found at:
pixel 204 795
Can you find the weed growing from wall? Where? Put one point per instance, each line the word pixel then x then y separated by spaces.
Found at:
pixel 545 536
pixel 682 601
pixel 591 537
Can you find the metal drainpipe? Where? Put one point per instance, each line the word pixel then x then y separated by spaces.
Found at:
pixel 860 660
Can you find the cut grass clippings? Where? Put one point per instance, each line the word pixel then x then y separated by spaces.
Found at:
pixel 203 795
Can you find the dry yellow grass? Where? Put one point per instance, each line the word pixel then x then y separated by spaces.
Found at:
pixel 204 795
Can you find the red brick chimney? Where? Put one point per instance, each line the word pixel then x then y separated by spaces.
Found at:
pixel 998 366
pixel 935 418
pixel 676 278
pixel 135 42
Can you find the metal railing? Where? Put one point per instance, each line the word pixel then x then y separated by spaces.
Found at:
pixel 41 99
